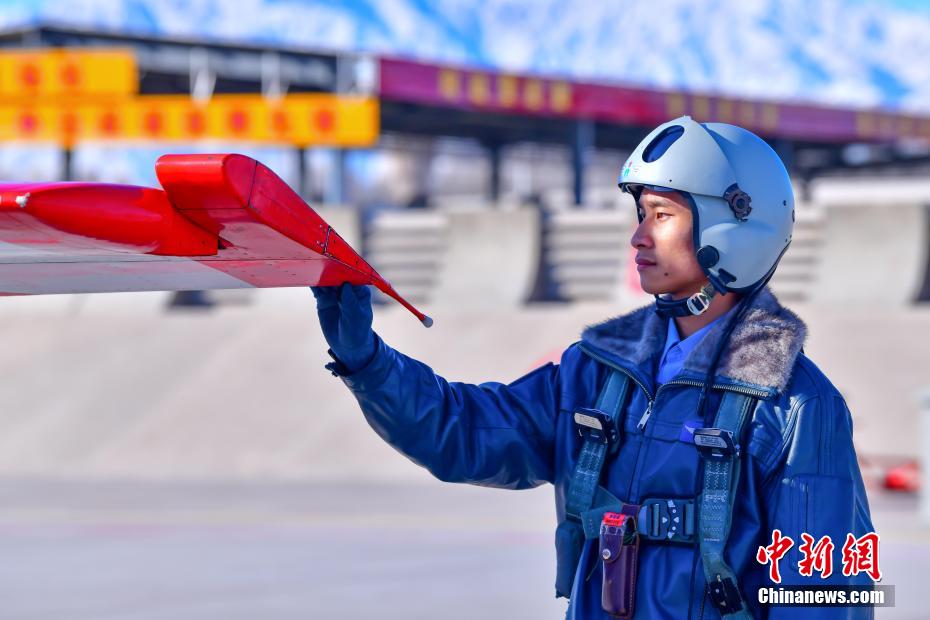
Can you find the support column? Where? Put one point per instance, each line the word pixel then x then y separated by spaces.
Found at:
pixel 924 293
pixel 786 150
pixel 494 153
pixel 67 167
pixel 335 189
pixel 420 161
pixel 582 143
pixel 925 456
pixel 303 174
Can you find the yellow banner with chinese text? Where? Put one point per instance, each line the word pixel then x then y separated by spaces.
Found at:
pixel 299 119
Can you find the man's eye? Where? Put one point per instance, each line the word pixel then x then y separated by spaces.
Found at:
pixel 661 216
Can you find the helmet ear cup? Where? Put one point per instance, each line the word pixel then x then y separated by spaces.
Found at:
pixel 708 256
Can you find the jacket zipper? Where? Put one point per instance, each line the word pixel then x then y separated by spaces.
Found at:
pixel 641 425
pixel 651 398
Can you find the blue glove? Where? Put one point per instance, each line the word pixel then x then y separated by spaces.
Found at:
pixel 345 316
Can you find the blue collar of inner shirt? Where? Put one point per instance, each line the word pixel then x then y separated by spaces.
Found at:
pixel 687 345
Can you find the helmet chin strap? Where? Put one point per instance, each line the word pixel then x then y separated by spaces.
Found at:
pixel 694 305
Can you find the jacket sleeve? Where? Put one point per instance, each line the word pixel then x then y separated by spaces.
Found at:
pixel 816 488
pixel 489 434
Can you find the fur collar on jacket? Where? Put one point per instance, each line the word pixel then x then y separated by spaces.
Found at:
pixel 761 350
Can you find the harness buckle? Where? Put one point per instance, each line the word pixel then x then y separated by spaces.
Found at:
pixel 715 443
pixel 597 426
pixel 725 596
pixel 667 520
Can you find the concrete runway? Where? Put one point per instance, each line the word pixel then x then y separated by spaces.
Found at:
pixel 112 416
pixel 276 551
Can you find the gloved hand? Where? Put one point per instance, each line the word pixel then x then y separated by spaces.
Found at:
pixel 345 316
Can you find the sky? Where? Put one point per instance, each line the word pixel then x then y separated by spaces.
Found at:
pixel 846 52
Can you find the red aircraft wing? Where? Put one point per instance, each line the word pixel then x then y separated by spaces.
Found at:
pixel 221 221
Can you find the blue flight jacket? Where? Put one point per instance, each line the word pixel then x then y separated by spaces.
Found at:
pixel 799 473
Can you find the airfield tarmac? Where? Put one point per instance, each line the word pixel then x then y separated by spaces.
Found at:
pixel 193 466
pixel 204 551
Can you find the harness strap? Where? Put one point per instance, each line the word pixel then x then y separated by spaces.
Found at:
pixel 721 454
pixel 587 473
pixel 600 428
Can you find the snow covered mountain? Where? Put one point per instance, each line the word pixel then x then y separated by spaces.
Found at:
pixel 854 52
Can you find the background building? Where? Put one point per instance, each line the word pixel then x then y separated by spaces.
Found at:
pixel 186 456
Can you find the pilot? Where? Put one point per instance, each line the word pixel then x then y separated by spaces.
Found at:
pixel 687 441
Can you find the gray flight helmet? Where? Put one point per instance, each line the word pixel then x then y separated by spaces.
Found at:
pixel 739 190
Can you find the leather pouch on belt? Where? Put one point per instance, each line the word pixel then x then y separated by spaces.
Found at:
pixel 619 548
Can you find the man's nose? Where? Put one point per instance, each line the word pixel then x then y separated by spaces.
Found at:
pixel 641 237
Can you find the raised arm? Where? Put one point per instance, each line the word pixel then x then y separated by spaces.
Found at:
pixel 490 434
